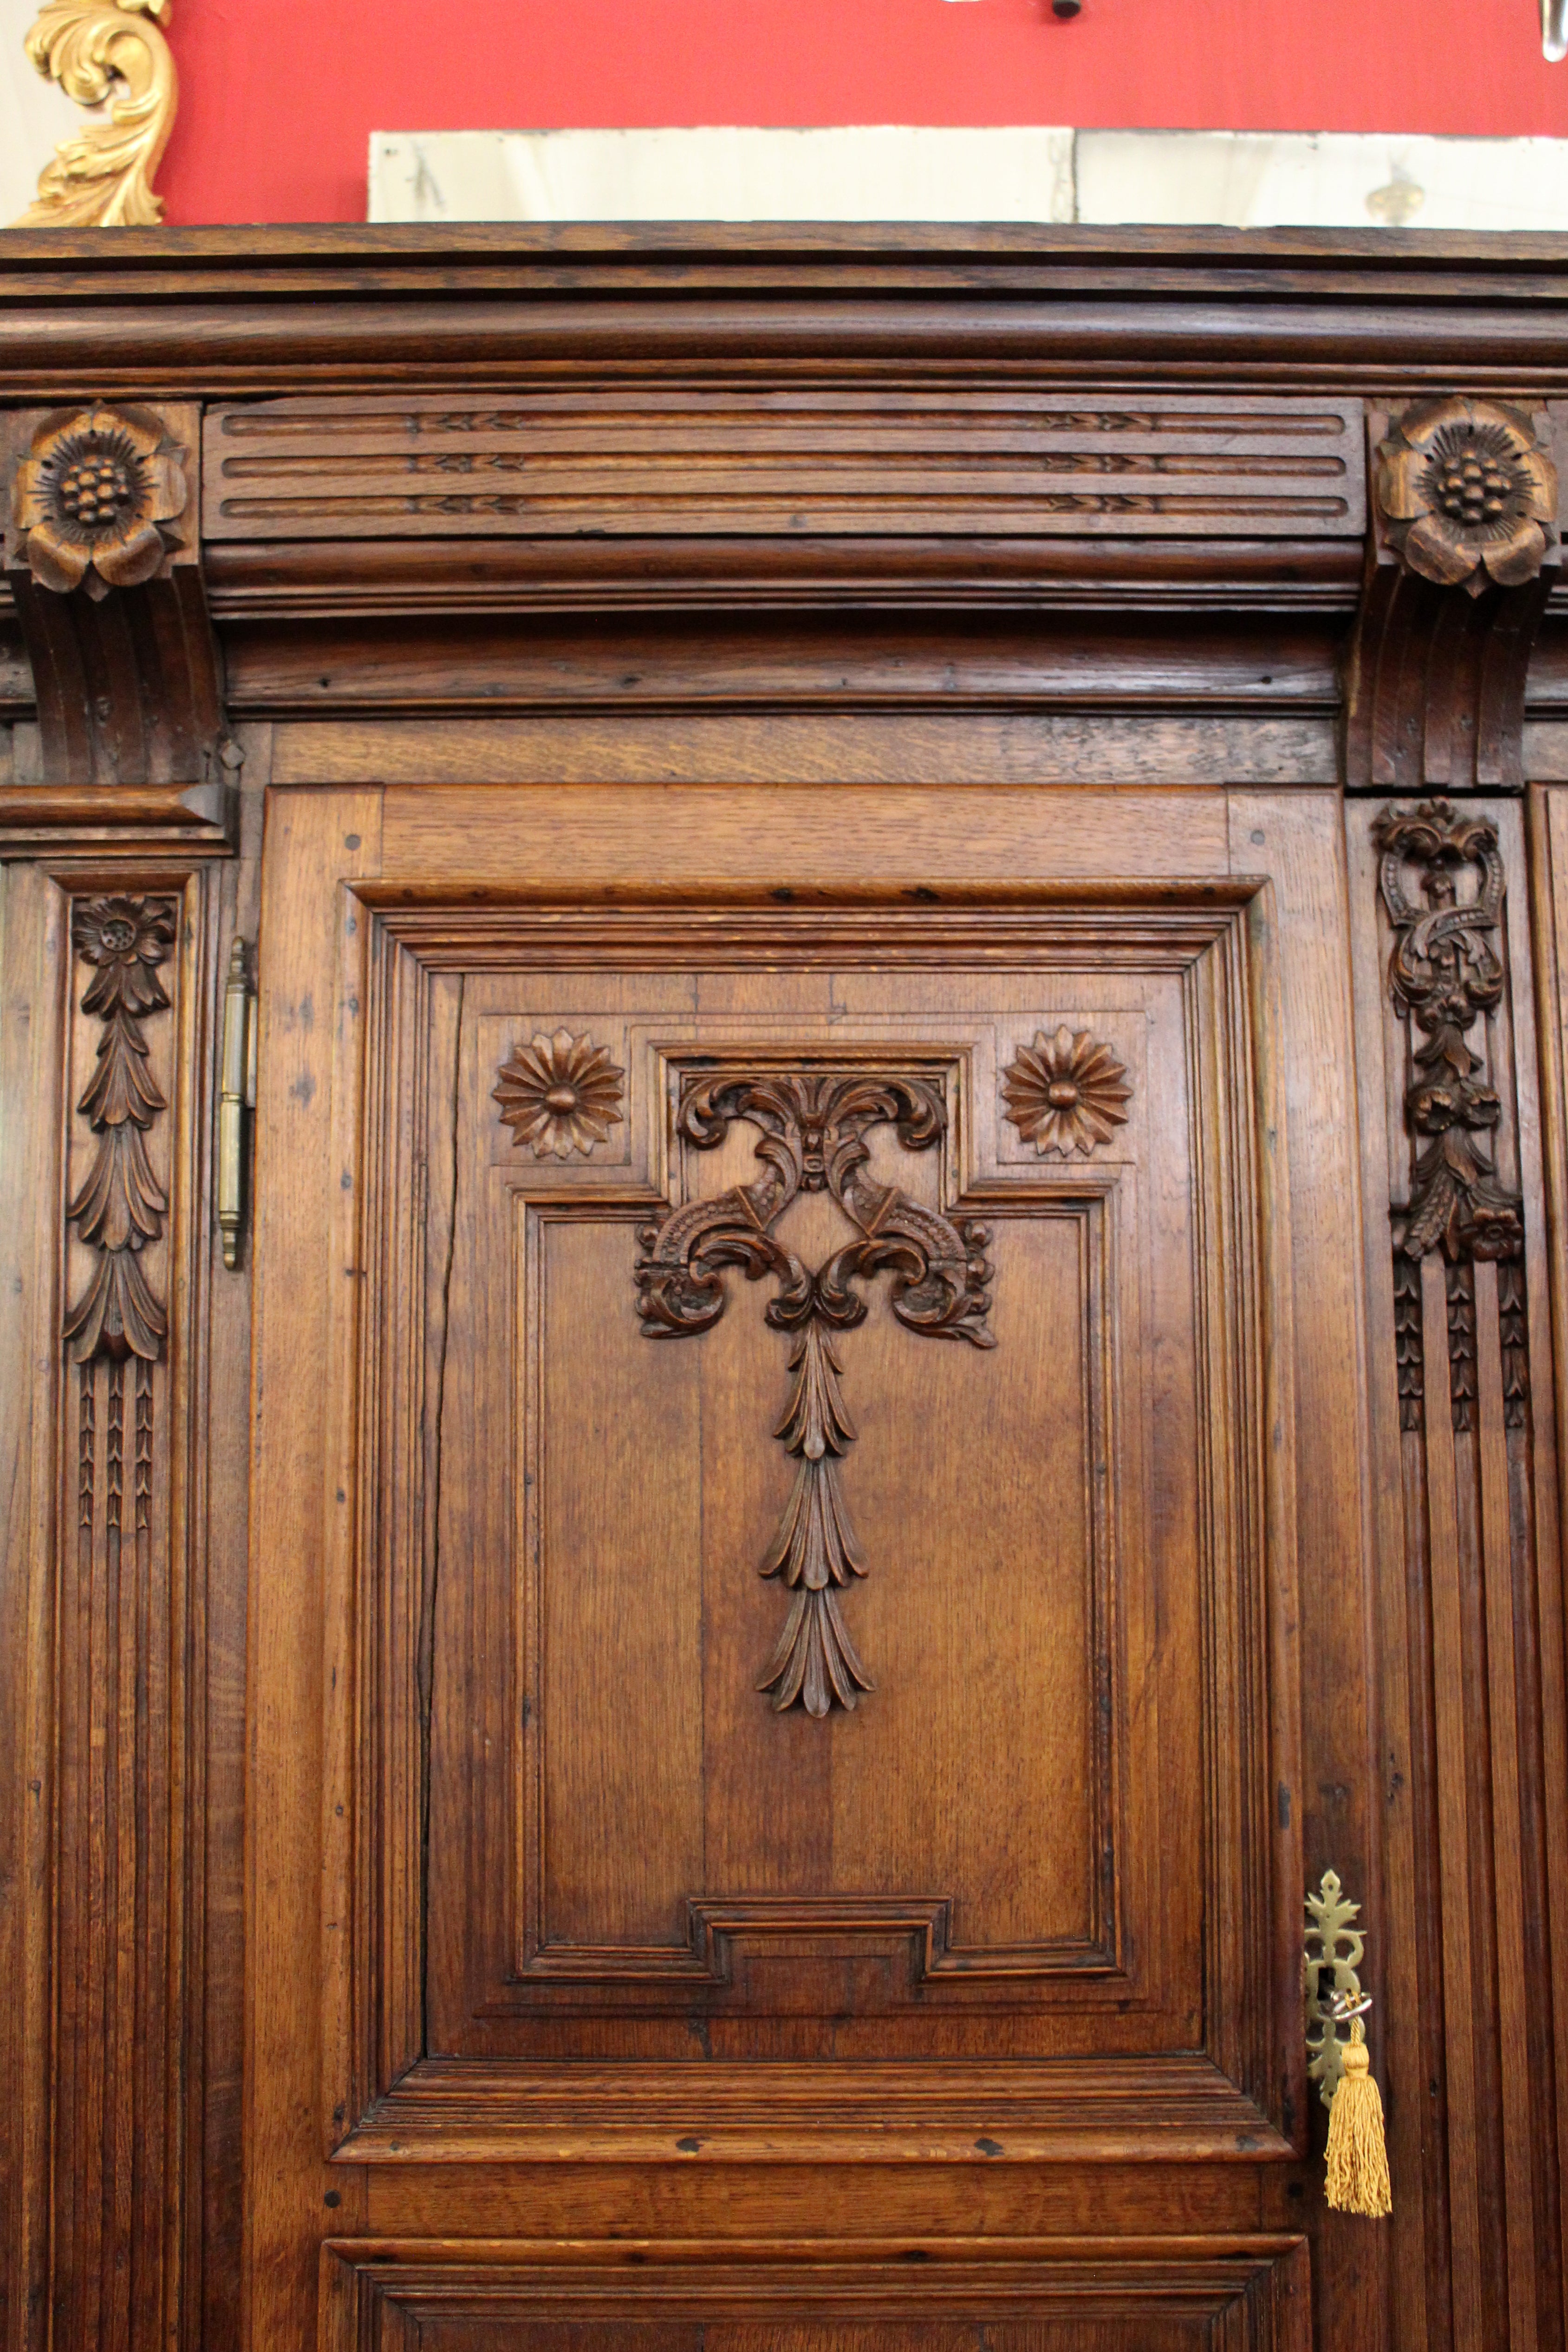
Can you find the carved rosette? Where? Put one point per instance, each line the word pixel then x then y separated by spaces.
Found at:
pixel 560 1095
pixel 93 499
pixel 813 1139
pixel 1444 976
pixel 1469 493
pixel 1066 1093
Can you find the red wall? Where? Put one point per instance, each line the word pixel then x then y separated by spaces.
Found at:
pixel 278 95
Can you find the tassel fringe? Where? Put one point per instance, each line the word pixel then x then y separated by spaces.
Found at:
pixel 1357 2158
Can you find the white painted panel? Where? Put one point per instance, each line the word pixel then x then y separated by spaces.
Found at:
pixel 876 173
pixel 35 113
pixel 1326 180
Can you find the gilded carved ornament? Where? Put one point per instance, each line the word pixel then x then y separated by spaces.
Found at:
pixel 105 53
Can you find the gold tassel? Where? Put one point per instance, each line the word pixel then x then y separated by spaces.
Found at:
pixel 1357 2158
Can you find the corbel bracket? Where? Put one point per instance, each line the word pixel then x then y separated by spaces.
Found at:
pixel 1463 552
pixel 102 557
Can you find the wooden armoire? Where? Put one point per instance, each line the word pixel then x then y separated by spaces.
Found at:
pixel 782 1200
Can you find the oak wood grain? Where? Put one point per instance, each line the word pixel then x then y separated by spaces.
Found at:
pixel 979 748
pixel 306 1125
pixel 804 702
pixel 1183 974
pixel 245 311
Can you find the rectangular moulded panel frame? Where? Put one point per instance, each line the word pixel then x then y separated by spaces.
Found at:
pixel 1232 2091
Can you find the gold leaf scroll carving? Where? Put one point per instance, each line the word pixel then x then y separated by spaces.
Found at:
pixel 105 52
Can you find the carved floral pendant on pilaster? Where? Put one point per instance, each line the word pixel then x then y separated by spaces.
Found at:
pixel 1442 882
pixel 121 1205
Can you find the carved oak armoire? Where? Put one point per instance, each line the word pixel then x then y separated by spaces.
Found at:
pixel 783 1206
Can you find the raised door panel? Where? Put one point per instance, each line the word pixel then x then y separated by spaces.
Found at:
pixel 1250 2294
pixel 923 1258
pixel 566 1938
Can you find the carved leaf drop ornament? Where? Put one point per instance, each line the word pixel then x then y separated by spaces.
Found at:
pixel 1444 976
pixel 1066 1093
pixel 560 1095
pixel 816 1550
pixel 120 1206
pixel 1469 494
pixel 813 1129
pixel 93 498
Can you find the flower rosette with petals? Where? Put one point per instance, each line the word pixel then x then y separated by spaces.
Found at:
pixel 92 500
pixel 1066 1093
pixel 560 1095
pixel 1469 494
pixel 125 940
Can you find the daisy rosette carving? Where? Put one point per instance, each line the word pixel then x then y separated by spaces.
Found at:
pixel 93 498
pixel 126 940
pixel 560 1095
pixel 1470 494
pixel 1066 1093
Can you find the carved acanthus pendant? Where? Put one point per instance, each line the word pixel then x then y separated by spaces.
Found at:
pixel 120 1206
pixel 1444 976
pixel 813 1129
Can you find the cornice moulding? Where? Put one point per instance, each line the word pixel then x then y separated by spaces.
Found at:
pixel 227 311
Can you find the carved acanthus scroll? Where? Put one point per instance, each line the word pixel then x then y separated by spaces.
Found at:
pixel 1444 975
pixel 99 51
pixel 813 1139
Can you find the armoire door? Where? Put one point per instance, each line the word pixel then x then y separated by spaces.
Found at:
pixel 807 1379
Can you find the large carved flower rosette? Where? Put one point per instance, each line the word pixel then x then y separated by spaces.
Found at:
pixel 560 1095
pixel 1066 1093
pixel 93 499
pixel 1469 494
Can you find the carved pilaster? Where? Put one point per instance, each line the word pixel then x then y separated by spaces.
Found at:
pixel 112 1886
pixel 1463 551
pixel 1442 882
pixel 102 556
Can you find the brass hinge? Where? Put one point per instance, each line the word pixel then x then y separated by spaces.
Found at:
pixel 236 1095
